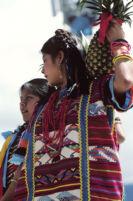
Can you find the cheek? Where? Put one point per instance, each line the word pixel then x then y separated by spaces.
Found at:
pixel 20 106
pixel 55 73
pixel 53 79
pixel 48 66
pixel 30 108
pixel 51 69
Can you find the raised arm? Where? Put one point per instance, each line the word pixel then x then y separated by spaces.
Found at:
pixel 123 66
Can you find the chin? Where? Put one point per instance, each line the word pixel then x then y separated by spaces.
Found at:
pixel 54 84
pixel 25 120
pixel 50 83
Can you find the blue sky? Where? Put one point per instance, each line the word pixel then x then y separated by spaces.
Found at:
pixel 25 26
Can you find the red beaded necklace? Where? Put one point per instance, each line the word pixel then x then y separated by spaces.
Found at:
pixel 55 122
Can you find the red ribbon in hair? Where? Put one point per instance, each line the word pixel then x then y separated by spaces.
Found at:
pixel 104 20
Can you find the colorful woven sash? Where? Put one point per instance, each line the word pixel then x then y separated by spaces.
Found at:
pixel 30 156
pixel 84 152
pixel 84 147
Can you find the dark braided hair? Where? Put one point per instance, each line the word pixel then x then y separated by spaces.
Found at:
pixel 74 58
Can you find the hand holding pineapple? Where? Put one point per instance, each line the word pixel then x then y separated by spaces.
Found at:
pixel 114 31
pixel 112 13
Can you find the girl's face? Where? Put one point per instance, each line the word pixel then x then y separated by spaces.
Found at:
pixel 52 71
pixel 27 104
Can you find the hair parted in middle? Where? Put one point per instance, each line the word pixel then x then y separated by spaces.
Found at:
pixel 74 57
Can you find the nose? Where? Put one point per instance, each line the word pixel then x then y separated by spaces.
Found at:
pixel 43 70
pixel 23 103
pixel 22 106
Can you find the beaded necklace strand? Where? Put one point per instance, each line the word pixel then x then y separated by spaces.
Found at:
pixel 54 122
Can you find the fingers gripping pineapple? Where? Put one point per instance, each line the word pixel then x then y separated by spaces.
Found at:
pixel 99 59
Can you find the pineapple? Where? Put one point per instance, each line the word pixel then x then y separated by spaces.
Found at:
pixel 99 59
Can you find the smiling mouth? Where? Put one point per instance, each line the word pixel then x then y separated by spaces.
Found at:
pixel 23 112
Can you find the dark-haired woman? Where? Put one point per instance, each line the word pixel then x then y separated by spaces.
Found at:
pixel 72 154
pixel 33 93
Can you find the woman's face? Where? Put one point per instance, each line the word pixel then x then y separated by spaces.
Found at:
pixel 27 104
pixel 52 72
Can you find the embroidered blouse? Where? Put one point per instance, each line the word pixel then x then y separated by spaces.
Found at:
pixel 87 166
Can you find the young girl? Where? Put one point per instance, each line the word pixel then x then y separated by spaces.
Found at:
pixel 33 92
pixel 72 154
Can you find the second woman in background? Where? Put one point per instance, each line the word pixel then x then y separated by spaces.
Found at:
pixel 32 93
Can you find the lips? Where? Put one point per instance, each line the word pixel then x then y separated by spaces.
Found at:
pixel 24 111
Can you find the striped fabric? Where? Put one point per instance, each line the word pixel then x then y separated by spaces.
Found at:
pixel 59 178
pixel 8 169
pixel 11 168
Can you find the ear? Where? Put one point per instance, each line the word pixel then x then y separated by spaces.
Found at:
pixel 60 56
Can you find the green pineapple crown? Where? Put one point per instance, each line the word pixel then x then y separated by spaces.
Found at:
pixel 115 7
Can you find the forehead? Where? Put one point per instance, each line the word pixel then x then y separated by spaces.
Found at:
pixel 25 92
pixel 46 55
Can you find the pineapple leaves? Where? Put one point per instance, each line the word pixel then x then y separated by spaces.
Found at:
pixel 93 8
pixel 84 42
pixel 81 5
pixel 116 7
pixel 94 3
pixel 127 7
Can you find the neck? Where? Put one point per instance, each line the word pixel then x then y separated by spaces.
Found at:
pixel 64 82
pixel 63 85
